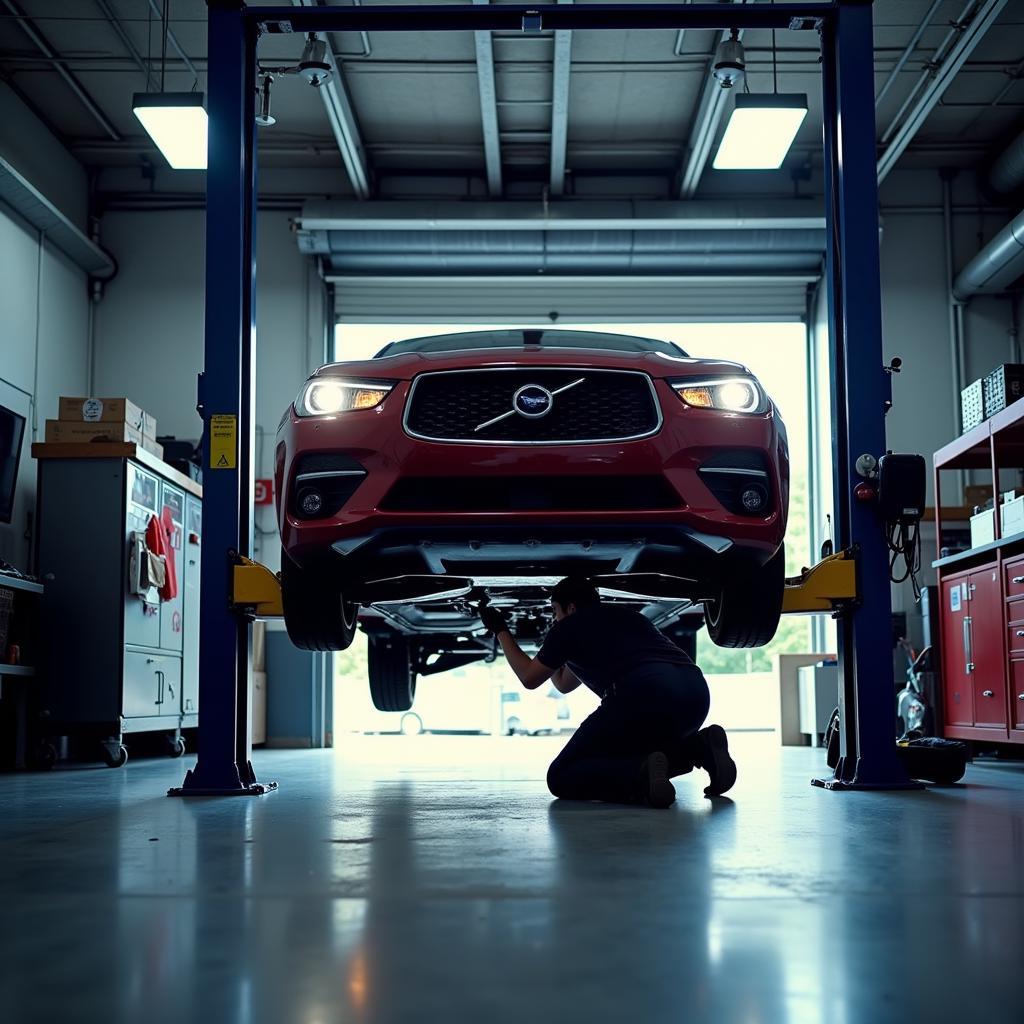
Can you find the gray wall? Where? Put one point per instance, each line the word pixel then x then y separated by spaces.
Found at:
pixel 149 327
pixel 44 304
pixel 915 327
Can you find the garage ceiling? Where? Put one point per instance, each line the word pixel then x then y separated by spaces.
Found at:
pixel 522 119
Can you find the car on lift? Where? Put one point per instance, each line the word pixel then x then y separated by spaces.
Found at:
pixel 492 463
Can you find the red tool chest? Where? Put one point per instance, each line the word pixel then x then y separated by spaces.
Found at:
pixel 981 591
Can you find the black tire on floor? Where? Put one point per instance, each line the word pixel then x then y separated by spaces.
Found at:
pixel 747 610
pixel 392 679
pixel 316 614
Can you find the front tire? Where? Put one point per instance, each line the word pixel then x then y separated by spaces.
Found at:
pixel 316 614
pixel 392 679
pixel 749 604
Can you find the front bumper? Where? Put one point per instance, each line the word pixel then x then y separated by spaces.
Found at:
pixel 368 526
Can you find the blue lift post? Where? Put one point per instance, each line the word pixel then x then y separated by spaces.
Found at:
pixel 226 403
pixel 861 389
pixel 860 386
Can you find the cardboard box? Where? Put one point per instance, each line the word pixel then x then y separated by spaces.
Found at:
pixel 61 432
pixel 152 447
pixel 975 495
pixel 107 410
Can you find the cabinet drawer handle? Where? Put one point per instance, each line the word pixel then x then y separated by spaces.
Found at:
pixel 1020 632
pixel 1017 579
pixel 987 693
pixel 1020 696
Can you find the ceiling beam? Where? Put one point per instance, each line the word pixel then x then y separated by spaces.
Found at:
pixel 126 39
pixel 712 104
pixel 584 215
pixel 344 126
pixel 560 73
pixel 43 45
pixel 488 107
pixel 173 39
pixel 954 60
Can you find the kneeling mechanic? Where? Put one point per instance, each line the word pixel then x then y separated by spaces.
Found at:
pixel 654 701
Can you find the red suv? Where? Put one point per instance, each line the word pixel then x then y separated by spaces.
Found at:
pixel 496 462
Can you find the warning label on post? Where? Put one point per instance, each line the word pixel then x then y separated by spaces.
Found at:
pixel 223 442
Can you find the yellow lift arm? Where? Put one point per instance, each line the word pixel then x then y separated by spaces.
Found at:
pixel 826 587
pixel 255 589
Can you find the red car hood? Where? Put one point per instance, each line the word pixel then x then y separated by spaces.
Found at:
pixel 407 366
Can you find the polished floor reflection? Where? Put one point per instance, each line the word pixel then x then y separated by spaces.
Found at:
pixel 433 879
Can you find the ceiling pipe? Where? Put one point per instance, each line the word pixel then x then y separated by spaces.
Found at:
pixel 702 136
pixel 907 51
pixel 344 126
pixel 43 45
pixel 996 267
pixel 564 215
pixel 981 20
pixel 1007 173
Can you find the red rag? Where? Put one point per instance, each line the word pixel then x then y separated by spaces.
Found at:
pixel 169 591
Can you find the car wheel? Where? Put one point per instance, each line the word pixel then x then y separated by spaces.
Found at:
pixel 747 610
pixel 392 680
pixel 316 614
pixel 412 724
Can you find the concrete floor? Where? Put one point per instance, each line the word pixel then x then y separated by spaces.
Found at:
pixel 433 879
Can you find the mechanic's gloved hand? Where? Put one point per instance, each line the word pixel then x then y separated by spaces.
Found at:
pixel 494 622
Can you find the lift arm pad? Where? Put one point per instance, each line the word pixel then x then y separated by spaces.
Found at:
pixel 825 587
pixel 255 590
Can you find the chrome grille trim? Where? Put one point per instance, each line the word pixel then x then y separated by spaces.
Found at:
pixel 525 369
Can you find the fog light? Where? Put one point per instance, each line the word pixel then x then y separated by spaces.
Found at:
pixel 754 499
pixel 311 502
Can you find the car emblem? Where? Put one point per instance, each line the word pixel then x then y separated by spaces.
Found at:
pixel 531 401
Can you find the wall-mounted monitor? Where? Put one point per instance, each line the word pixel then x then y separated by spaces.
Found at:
pixel 12 434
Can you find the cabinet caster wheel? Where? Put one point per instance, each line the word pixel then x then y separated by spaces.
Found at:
pixel 44 757
pixel 115 757
pixel 175 746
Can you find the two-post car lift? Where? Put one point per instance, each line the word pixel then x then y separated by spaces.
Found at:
pixel 857 588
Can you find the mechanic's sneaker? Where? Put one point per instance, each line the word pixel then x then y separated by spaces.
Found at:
pixel 715 760
pixel 657 791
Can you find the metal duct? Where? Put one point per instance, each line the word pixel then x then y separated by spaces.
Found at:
pixel 1007 173
pixel 565 252
pixel 997 266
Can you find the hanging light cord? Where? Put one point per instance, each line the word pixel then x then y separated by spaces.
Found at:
pixel 775 66
pixel 163 50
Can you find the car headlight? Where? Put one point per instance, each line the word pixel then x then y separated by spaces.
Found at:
pixel 726 394
pixel 326 396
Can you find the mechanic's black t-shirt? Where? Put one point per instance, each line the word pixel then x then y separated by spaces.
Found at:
pixel 605 644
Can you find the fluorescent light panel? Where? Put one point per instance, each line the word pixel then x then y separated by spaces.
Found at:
pixel 176 122
pixel 760 131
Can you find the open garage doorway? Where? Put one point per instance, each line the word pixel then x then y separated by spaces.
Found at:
pixel 486 698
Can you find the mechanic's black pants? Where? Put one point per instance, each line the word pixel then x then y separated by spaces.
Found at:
pixel 660 710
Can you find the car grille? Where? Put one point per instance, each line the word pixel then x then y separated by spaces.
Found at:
pixel 531 494
pixel 609 405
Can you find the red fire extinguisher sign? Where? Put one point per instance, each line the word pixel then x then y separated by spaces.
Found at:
pixel 264 492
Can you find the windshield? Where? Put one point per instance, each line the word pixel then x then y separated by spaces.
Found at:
pixel 531 338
